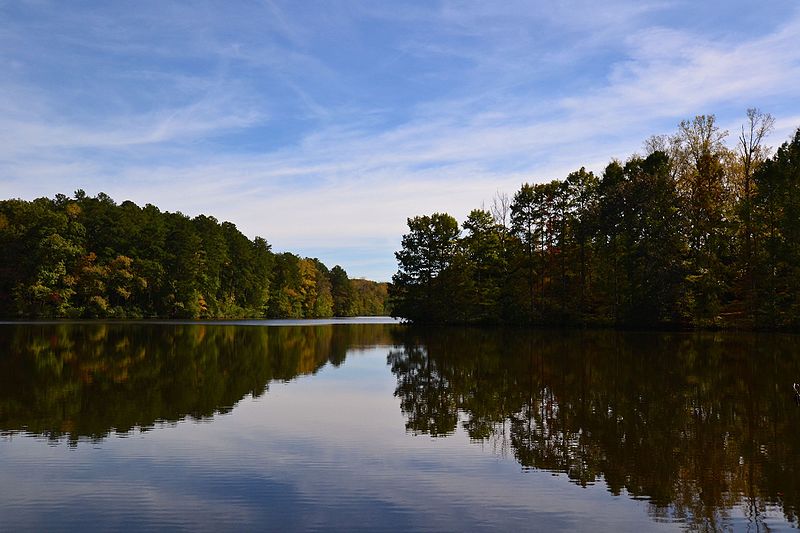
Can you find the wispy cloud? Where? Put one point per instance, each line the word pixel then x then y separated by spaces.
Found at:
pixel 323 131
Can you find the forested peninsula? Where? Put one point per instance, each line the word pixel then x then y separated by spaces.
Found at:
pixel 691 234
pixel 87 257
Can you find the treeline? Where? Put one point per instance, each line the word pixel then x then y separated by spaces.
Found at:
pixel 87 257
pixel 692 233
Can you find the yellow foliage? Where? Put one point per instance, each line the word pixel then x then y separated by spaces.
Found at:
pixel 73 210
pixel 125 293
pixel 99 302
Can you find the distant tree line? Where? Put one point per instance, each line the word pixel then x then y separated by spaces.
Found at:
pixel 87 257
pixel 692 233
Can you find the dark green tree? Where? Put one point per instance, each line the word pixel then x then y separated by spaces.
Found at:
pixel 483 248
pixel 342 292
pixel 428 250
pixel 776 221
pixel 642 238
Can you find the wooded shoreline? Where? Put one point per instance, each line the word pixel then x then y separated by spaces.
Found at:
pixel 87 257
pixel 691 235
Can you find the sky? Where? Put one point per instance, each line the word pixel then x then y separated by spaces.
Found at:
pixel 323 125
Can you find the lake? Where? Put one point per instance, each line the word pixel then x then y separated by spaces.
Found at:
pixel 371 425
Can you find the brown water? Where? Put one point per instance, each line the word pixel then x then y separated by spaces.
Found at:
pixel 374 426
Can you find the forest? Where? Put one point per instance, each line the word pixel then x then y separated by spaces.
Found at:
pixel 691 234
pixel 87 257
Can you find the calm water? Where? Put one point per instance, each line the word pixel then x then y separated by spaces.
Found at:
pixel 370 426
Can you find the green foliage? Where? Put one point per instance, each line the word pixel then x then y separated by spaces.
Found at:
pixel 369 298
pixel 426 274
pixel 89 257
pixel 341 292
pixel 776 212
pixel 640 241
pixel 658 241
pixel 485 264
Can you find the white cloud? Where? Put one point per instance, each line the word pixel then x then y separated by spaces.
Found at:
pixel 353 171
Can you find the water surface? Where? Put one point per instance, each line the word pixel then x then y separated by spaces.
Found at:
pixel 376 426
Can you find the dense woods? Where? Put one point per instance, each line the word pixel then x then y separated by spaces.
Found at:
pixel 87 257
pixel 690 234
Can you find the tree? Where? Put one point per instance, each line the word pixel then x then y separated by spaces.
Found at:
pixel 652 240
pixel 583 224
pixel 526 225
pixel 776 217
pixel 286 301
pixel 705 191
pixel 427 251
pixel 484 251
pixel 752 153
pixel 751 149
pixel 342 292
pixel 610 239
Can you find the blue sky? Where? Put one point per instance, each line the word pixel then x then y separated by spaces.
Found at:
pixel 323 125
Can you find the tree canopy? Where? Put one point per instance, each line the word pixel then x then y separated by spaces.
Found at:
pixel 690 234
pixel 88 257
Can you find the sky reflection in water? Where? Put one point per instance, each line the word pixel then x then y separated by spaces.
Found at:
pixel 350 446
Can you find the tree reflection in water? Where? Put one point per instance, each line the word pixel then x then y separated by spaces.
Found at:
pixel 88 380
pixel 702 426
pixel 698 424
